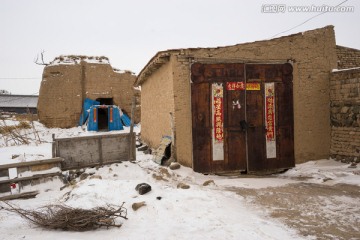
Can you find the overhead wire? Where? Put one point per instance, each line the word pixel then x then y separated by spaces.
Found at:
pixel 306 20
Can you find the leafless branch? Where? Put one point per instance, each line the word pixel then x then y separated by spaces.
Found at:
pixel 36 61
pixel 71 219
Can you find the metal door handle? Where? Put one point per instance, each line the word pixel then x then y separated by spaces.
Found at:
pixel 244 126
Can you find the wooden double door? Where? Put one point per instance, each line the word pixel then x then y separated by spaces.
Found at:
pixel 242 117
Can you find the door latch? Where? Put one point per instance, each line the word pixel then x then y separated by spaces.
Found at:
pixel 244 126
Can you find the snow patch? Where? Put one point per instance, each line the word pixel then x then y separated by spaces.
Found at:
pixel 347 69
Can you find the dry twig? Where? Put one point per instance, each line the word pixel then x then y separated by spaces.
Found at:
pixel 71 219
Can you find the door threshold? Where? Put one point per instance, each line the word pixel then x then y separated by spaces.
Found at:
pixel 231 173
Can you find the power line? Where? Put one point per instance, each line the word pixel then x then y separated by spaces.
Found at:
pixel 306 21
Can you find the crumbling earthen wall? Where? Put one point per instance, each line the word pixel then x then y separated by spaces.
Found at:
pixel 64 88
pixel 345 115
pixel 157 102
pixel 347 57
pixel 60 96
pixel 313 54
pixel 102 82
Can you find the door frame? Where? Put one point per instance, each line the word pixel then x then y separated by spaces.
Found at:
pixel 196 78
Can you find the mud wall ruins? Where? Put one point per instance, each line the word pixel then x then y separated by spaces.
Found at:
pixel 345 115
pixel 347 57
pixel 68 80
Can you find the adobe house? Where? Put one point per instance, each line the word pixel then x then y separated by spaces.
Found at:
pixel 69 80
pixel 249 107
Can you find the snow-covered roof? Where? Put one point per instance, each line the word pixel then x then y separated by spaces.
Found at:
pixel 76 59
pixel 18 101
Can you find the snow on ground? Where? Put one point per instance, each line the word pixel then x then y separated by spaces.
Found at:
pixel 325 171
pixel 200 212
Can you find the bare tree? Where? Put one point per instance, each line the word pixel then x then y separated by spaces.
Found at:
pixel 37 61
pixel 4 92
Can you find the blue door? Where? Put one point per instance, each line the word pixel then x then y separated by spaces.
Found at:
pixel 114 119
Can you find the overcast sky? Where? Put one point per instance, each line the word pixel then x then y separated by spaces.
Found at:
pixel 129 33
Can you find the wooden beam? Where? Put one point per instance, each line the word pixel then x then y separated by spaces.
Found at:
pixel 131 137
pixel 31 163
pixel 37 176
pixel 25 195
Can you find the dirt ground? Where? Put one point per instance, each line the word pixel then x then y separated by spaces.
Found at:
pixel 316 210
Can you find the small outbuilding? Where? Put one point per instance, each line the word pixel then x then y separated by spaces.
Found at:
pixel 103 117
pixel 252 107
pixel 69 80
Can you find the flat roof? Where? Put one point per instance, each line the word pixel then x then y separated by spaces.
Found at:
pixel 29 101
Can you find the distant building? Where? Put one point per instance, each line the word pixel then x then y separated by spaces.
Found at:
pixel 18 103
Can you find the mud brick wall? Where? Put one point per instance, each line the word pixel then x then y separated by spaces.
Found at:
pixel 313 54
pixel 60 96
pixel 345 115
pixel 65 86
pixel 347 57
pixel 157 101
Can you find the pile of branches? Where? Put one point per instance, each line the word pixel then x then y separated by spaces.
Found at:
pixel 71 219
pixel 13 133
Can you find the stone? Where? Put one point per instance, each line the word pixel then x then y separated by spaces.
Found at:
pixel 158 198
pixel 183 186
pixel 83 176
pixel 164 172
pixel 349 159
pixel 159 177
pixel 143 188
pixel 353 165
pixel 174 166
pixel 148 151
pixel 356 109
pixel 344 109
pixel 209 182
pixel 167 162
pixel 327 179
pixel 136 206
pixel 335 110
pixel 95 177
pixel 143 148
